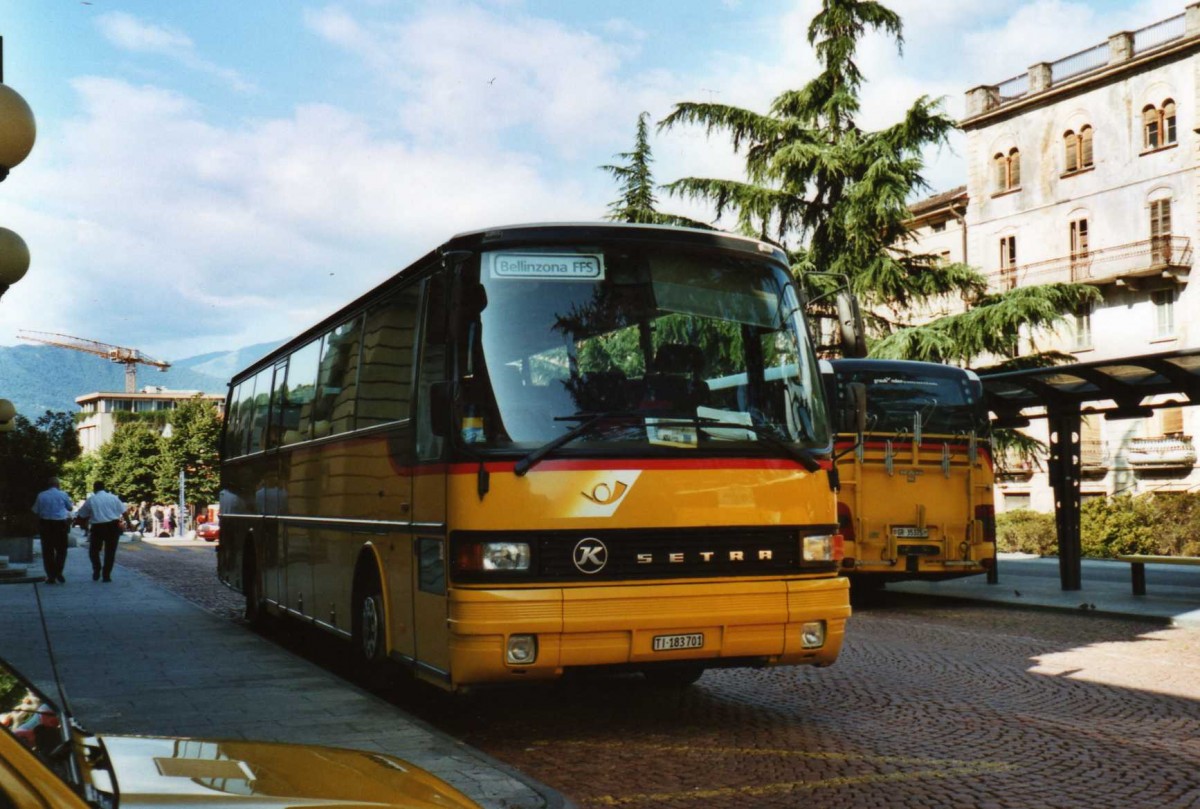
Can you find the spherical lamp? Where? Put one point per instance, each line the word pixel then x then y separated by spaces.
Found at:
pixel 17 129
pixel 8 414
pixel 14 259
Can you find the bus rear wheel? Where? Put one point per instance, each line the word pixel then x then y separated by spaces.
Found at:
pixel 673 675
pixel 369 630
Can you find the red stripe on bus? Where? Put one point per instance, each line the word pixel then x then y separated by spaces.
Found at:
pixel 600 464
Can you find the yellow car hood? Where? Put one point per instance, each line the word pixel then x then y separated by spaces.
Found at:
pixel 152 771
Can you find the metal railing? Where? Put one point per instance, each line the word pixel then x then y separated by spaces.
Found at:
pixel 1099 266
pixel 1012 89
pixel 1159 33
pixel 1077 64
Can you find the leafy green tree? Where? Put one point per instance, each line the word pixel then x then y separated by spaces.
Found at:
pixel 26 462
pixel 78 475
pixel 193 448
pixel 64 441
pixel 837 196
pixel 128 462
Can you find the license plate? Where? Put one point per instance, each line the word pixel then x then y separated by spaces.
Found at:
pixel 910 532
pixel 670 643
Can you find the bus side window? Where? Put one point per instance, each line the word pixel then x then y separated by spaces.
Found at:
pixel 298 396
pixel 385 378
pixel 333 410
pixel 232 446
pixel 255 416
pixel 433 365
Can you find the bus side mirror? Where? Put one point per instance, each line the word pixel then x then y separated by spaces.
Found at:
pixel 850 325
pixel 439 408
pixel 858 402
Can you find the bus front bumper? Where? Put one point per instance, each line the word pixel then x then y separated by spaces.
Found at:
pixel 616 626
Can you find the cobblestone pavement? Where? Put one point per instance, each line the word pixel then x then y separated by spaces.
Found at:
pixel 932 704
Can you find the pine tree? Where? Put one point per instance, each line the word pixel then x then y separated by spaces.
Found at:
pixel 637 203
pixel 837 196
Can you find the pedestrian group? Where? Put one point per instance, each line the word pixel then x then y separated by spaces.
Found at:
pixel 103 514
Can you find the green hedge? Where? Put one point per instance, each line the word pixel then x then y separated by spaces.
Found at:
pixel 1167 524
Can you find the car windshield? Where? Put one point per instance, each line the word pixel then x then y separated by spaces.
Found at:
pixel 947 401
pixel 661 339
pixel 30 716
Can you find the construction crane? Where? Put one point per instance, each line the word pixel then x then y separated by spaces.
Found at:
pixel 129 357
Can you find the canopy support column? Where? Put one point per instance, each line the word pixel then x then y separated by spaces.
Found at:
pixel 1065 466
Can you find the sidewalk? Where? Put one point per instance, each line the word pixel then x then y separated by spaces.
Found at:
pixel 1172 591
pixel 136 659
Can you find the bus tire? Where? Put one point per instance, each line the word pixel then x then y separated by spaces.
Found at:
pixel 369 629
pixel 673 675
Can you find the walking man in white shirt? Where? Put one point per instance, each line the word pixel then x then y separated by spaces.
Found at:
pixel 104 511
pixel 53 508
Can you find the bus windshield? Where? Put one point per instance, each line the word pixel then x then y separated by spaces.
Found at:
pixel 675 347
pixel 947 399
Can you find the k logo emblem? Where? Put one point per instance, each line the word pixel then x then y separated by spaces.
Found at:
pixel 590 555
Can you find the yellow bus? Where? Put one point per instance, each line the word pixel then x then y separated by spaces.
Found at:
pixel 915 499
pixel 546 448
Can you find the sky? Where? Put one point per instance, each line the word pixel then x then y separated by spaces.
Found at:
pixel 217 173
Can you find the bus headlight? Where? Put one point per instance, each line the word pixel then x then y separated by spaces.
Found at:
pixel 522 650
pixel 812 634
pixel 818 548
pixel 491 557
pixel 505 555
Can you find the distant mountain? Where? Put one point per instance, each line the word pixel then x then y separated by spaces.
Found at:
pixel 40 378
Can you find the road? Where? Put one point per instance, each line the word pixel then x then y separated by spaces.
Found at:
pixel 932 705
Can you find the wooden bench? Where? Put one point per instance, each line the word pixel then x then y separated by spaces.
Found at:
pixel 1137 567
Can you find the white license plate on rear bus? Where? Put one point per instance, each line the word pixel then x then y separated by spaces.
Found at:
pixel 671 643
pixel 910 532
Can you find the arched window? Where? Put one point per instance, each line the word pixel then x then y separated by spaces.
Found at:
pixel 1151 134
pixel 1008 170
pixel 1078 149
pixel 1085 147
pixel 1158 125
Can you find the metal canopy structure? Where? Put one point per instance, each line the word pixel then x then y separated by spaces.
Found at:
pixel 1121 388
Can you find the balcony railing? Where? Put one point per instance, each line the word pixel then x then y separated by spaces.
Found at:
pixel 1161 453
pixel 1171 255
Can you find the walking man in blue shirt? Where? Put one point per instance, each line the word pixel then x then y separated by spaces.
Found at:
pixel 53 508
pixel 104 511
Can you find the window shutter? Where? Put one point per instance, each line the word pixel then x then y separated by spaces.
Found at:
pixel 1085 141
pixel 1172 420
pixel 1014 168
pixel 1071 144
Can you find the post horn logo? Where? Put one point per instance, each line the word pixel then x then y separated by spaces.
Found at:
pixel 605 495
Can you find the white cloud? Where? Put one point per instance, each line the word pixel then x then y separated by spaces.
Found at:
pixel 131 34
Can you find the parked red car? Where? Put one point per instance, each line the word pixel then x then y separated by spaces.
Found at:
pixel 210 531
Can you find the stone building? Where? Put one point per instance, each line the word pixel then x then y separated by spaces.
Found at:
pixel 99 412
pixel 1086 169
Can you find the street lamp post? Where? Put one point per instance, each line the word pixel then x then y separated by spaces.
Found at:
pixel 17 134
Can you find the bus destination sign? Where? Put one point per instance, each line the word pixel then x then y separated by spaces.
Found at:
pixel 550 266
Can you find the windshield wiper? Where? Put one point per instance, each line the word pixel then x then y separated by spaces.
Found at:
pixel 798 454
pixel 588 422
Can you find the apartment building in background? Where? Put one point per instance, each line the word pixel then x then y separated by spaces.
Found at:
pixel 1086 170
pixel 99 412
